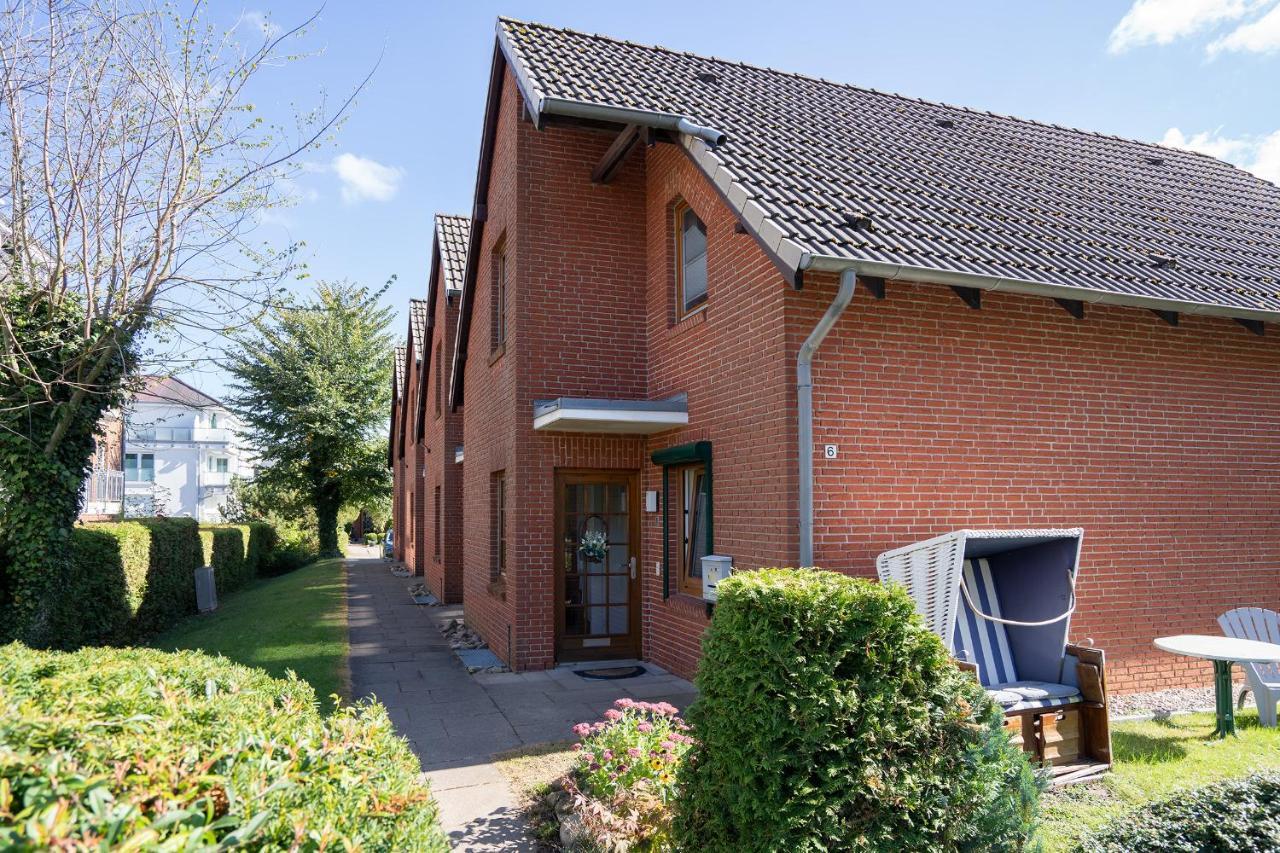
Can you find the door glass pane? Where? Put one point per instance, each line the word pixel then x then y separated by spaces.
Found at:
pixel 618 588
pixel 593 497
pixel 596 620
pixel 573 624
pixel 596 589
pixel 577 589
pixel 619 558
pixel 618 498
pixel 617 620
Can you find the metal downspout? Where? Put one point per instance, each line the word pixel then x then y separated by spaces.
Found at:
pixel 804 399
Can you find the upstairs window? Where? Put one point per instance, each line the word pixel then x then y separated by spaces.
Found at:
pixel 691 259
pixel 498 321
pixel 218 464
pixel 439 368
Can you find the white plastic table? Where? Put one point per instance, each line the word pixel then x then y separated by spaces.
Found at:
pixel 1223 651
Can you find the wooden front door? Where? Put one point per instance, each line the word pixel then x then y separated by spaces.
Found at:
pixel 597 560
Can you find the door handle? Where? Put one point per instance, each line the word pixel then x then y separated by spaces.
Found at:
pixel 633 568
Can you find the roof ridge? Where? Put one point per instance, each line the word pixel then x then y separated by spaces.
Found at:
pixel 897 95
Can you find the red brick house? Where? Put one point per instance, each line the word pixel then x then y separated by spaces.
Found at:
pixel 401 486
pixel 437 427
pixel 712 308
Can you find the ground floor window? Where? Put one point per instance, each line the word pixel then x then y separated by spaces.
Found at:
pixel 139 467
pixel 497 524
pixel 686 515
pixel 439 523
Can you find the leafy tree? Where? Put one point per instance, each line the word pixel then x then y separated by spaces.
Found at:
pixel 132 171
pixel 312 382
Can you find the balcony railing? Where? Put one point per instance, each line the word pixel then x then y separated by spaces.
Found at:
pixel 103 493
pixel 104 486
pixel 166 435
pixel 215 478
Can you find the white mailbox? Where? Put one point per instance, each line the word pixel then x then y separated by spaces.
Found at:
pixel 715 568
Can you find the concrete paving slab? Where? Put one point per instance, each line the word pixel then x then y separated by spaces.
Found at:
pixel 456 722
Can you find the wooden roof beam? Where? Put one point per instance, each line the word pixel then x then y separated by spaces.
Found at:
pixel 612 161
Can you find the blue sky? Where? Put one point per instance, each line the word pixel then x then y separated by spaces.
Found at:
pixel 1199 73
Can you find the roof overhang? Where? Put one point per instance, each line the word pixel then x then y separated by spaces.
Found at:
pixel 926 275
pixel 593 414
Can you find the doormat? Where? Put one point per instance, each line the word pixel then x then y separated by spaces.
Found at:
pixel 609 673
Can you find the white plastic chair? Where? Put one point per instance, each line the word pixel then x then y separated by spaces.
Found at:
pixel 1255 623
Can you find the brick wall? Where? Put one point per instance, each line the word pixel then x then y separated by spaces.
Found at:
pixel 414 454
pixel 442 433
pixel 1159 441
pixel 489 414
pixel 581 333
pixel 731 360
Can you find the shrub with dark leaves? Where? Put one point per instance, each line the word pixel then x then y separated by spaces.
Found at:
pixel 1239 815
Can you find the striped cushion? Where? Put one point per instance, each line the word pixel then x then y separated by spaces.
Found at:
pixel 979 640
pixel 1024 695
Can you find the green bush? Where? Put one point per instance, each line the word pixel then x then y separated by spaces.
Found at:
pixel 170 593
pixel 1237 815
pixel 139 749
pixel 297 546
pixel 830 719
pixel 262 544
pixel 105 581
pixel 224 549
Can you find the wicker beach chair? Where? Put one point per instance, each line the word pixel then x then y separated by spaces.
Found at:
pixel 1002 601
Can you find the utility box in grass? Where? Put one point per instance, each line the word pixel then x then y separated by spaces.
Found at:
pixel 715 568
pixel 206 590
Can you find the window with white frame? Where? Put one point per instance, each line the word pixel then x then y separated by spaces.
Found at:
pixel 139 467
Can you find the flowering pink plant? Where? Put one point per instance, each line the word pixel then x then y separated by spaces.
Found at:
pixel 638 744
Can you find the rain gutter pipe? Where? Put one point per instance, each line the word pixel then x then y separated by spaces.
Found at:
pixel 804 401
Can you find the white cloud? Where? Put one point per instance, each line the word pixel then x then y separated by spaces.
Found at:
pixel 1165 21
pixel 260 24
pixel 363 178
pixel 1260 36
pixel 1258 154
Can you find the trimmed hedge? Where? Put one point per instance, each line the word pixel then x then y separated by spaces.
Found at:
pixel 106 577
pixel 139 749
pixel 127 580
pixel 262 545
pixel 170 593
pixel 225 548
pixel 829 718
pixel 1237 815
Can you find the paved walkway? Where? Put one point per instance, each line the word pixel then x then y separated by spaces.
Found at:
pixel 456 721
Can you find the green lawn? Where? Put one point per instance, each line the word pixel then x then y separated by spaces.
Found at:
pixel 297 621
pixel 1153 760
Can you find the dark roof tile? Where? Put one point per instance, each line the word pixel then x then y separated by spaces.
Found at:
pixel 990 194
pixel 453 234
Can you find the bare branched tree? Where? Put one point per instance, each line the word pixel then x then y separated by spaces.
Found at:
pixel 133 169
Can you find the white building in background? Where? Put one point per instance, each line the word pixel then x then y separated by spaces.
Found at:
pixel 181 449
